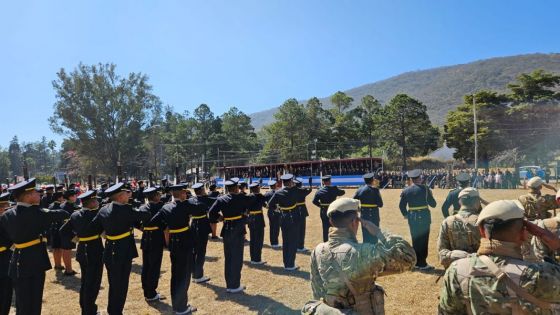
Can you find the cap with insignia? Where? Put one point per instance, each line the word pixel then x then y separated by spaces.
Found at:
pixel 297 181
pixel 535 182
pixel 469 192
pixel 253 185
pixel 414 173
pixel 326 177
pixel 26 185
pixel 90 194
pixel 287 177
pixel 502 209
pixel 197 186
pixel 242 184
pixel 178 187
pixel 117 188
pixel 463 177
pixel 150 190
pixel 229 183
pixel 5 197
pixel 235 180
pixel 342 205
pixel 369 176
pixel 271 182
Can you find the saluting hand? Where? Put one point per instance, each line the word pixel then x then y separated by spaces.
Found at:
pixel 370 227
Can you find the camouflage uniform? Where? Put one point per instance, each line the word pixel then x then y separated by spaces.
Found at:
pixel 458 236
pixel 540 249
pixel 536 205
pixel 469 283
pixel 343 260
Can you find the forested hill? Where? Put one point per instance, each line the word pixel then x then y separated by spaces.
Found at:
pixel 442 89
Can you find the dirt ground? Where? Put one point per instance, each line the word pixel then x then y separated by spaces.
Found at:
pixel 271 290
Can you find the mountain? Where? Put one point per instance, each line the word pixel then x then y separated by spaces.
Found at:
pixel 442 89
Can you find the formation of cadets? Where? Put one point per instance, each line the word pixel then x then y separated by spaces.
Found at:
pixel 183 223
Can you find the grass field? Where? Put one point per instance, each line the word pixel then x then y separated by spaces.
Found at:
pixel 271 290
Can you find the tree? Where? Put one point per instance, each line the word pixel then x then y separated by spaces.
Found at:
pixel 4 164
pixel 239 134
pixel 535 86
pixel 370 114
pixel 15 156
pixel 317 125
pixel 341 101
pixel 410 127
pixel 104 114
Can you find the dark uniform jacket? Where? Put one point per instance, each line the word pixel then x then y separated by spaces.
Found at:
pixel 301 201
pixel 451 200
pixel 66 243
pixel 199 207
pixel 325 196
pixel 80 225
pixel 5 252
pixel 368 197
pixel 416 196
pixel 176 215
pixel 153 238
pixel 233 208
pixel 256 204
pixel 46 200
pixel 116 219
pixel 286 200
pixel 24 223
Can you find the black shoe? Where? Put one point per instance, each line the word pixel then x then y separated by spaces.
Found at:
pixel 58 268
pixel 70 273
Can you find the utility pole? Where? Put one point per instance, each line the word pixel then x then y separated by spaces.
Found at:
pixel 475 136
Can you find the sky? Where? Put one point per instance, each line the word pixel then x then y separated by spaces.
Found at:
pixel 249 54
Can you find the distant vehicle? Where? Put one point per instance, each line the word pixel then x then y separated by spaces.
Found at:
pixel 530 171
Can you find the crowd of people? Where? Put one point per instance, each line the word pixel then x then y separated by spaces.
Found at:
pixel 99 224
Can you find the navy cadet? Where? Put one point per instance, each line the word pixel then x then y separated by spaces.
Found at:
pixel 152 244
pixel 117 219
pixel 302 208
pixel 286 200
pixel 452 199
pixel 371 201
pixel 200 225
pixel 323 198
pixel 273 215
pixel 6 287
pixel 231 208
pixel 54 234
pixel 24 225
pixel 418 198
pixel 213 193
pixel 48 198
pixel 176 215
pixel 90 250
pixel 66 244
pixel 256 224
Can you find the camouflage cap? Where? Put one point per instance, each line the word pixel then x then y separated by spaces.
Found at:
pixel 469 192
pixel 343 205
pixel 535 182
pixel 502 209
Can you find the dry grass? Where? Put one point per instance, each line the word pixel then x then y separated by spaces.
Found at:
pixel 270 290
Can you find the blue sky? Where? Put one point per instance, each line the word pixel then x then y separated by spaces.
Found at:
pixel 249 54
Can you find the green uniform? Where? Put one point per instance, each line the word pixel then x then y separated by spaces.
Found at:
pixel 471 287
pixel 342 261
pixel 540 249
pixel 458 236
pixel 536 205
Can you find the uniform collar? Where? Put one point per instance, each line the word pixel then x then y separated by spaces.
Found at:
pixel 24 204
pixel 119 204
pixel 341 235
pixel 499 248
pixel 468 211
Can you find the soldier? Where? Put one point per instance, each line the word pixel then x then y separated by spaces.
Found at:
pixel 117 219
pixel 323 198
pixel 176 215
pixel 273 216
pixel 66 244
pixel 90 250
pixel 535 204
pixel 343 271
pixel 256 224
pixel 166 196
pixel 213 193
pixel 24 225
pixel 286 200
pixel 419 198
pixel 231 208
pixel 152 244
pixel 371 201
pixel 54 234
pixel 463 179
pixel 496 280
pixel 458 235
pixel 6 287
pixel 48 198
pixel 200 226
pixel 541 251
pixel 303 214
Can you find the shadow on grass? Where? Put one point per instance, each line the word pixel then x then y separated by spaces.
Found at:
pixel 69 282
pixel 257 303
pixel 137 269
pixel 163 307
pixel 277 270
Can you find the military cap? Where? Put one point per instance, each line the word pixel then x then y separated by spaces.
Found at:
pixel 243 184
pixel 117 188
pixel 297 181
pixel 235 180
pixel 535 182
pixel 414 173
pixel 469 192
pixel 286 177
pixel 70 192
pixel 229 183
pixel 463 177
pixel 150 190
pixel 5 197
pixel 178 187
pixel 326 177
pixel 26 185
pixel 90 194
pixel 502 209
pixel 253 185
pixel 271 182
pixel 49 187
pixel 369 176
pixel 342 205
pixel 197 186
pixel 60 187
pixel 212 186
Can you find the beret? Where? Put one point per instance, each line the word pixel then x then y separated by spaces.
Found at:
pixel 502 209
pixel 343 205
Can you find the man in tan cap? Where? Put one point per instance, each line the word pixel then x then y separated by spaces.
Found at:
pixel 458 234
pixel 496 280
pixel 343 271
pixel 535 204
pixel 540 249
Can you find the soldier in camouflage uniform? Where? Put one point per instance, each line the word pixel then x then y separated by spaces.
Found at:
pixel 541 250
pixel 343 271
pixel 535 204
pixel 458 235
pixel 496 280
